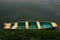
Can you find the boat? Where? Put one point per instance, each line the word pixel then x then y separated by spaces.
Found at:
pixel 30 25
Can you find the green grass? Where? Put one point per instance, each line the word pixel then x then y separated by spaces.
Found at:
pixel 29 35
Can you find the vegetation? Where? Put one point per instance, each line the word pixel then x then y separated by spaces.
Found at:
pixel 29 35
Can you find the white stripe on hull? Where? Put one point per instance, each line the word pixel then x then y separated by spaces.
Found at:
pixel 26 24
pixel 38 25
pixel 15 25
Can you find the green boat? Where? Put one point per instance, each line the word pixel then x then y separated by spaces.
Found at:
pixel 30 25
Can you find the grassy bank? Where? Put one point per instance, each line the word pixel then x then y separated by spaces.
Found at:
pixel 29 35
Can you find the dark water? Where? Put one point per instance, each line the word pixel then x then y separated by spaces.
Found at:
pixel 42 10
